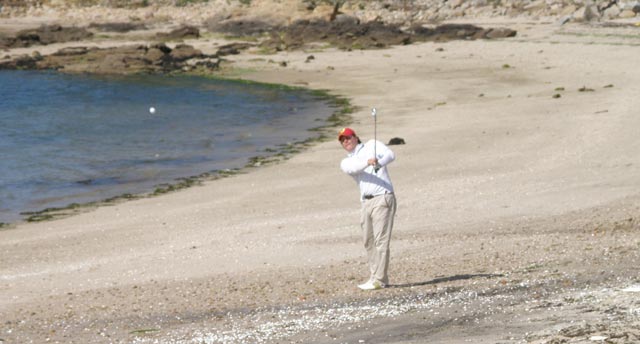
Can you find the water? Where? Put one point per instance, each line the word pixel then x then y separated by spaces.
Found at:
pixel 75 139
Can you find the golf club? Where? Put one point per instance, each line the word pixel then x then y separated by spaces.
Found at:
pixel 375 137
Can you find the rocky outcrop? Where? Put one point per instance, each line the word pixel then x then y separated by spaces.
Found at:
pixel 343 34
pixel 448 32
pixel 156 58
pixel 46 34
pixel 349 33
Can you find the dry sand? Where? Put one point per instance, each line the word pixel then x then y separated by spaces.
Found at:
pixel 517 219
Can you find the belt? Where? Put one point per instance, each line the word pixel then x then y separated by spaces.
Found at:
pixel 368 197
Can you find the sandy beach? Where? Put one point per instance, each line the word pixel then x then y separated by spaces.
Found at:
pixel 518 212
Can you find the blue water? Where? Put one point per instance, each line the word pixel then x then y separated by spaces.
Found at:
pixel 75 139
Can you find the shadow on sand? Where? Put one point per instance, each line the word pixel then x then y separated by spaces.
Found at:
pixel 444 279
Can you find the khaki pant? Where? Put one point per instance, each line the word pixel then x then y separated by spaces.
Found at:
pixel 377 223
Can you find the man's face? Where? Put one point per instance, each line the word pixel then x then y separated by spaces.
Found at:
pixel 349 143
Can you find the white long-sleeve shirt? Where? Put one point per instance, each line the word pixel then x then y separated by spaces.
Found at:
pixel 356 165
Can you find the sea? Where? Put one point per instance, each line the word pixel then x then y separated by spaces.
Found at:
pixel 74 139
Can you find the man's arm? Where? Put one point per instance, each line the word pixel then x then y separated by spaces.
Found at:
pixel 353 165
pixel 385 155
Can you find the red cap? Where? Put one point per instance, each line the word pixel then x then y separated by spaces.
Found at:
pixel 346 132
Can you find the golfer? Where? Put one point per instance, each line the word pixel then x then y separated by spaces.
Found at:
pixel 367 164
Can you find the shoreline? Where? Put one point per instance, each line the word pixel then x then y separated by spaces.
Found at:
pixel 505 191
pixel 319 133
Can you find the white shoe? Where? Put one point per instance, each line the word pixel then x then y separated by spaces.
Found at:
pixel 371 285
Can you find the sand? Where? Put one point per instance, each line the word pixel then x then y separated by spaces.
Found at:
pixel 517 219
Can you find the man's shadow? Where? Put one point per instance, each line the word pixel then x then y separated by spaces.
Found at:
pixel 444 279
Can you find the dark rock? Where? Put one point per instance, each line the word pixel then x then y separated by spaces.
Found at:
pixel 117 27
pixel 241 27
pixel 232 49
pixel 396 141
pixel 132 59
pixel 48 34
pixel 345 34
pixel 207 63
pixel 21 62
pixel 447 32
pixel 162 47
pixel 6 42
pixel 71 51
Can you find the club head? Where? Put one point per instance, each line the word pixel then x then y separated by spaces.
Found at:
pixel 373 112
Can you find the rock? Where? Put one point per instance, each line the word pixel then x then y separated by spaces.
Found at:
pixel 343 34
pixel 21 62
pixel 180 33
pixel 155 55
pixel 499 33
pixel 184 52
pixel 232 48
pixel 132 59
pixel 396 141
pixel 36 55
pixel 118 27
pixel 242 27
pixel 48 34
pixel 343 19
pixel 611 12
pixel 71 51
pixel 6 42
pixel 448 32
pixel 207 62
pixel 627 14
pixel 585 14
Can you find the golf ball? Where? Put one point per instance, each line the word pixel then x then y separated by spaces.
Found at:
pixel 152 110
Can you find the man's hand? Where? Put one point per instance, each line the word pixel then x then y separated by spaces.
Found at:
pixel 374 162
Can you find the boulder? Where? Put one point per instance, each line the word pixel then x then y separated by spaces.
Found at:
pixel 585 14
pixel 184 52
pixel 611 12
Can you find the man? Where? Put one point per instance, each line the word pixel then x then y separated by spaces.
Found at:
pixel 367 164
